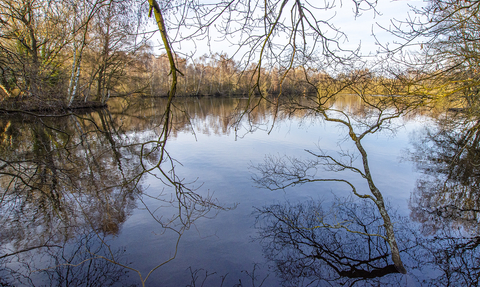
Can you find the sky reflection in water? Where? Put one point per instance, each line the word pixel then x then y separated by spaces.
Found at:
pixel 224 244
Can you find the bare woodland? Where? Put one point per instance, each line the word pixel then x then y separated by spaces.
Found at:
pixel 286 56
pixel 63 53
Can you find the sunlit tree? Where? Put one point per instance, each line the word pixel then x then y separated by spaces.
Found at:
pixel 447 33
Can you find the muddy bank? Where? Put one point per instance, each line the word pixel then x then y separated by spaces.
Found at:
pixel 48 106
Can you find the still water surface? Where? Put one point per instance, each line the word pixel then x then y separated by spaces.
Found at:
pixel 79 210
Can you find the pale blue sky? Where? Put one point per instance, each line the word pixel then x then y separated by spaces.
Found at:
pixel 358 30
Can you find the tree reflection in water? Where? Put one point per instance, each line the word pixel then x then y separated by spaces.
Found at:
pixel 376 113
pixel 72 180
pixel 313 244
pixel 449 159
pixel 340 246
pixel 446 200
pixel 309 246
pixel 72 264
pixel 70 183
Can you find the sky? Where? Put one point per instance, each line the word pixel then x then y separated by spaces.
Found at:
pixel 358 29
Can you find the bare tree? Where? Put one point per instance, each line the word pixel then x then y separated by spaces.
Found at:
pixel 33 34
pixel 310 243
pixel 84 175
pixel 378 114
pixel 444 62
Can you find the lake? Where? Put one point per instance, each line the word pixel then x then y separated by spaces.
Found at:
pixel 103 198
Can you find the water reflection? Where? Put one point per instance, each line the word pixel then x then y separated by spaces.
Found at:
pixel 377 114
pixel 68 181
pixel 313 244
pixel 446 199
pixel 74 264
pixel 346 243
pixel 319 244
pixel 449 190
pixel 56 169
pixel 71 185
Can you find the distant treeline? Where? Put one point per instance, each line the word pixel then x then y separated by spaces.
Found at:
pixel 71 54
pixel 219 75
pixel 81 53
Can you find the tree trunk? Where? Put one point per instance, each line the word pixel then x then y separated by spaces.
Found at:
pixel 387 222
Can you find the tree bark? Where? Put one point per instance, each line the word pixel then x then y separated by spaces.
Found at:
pixel 379 201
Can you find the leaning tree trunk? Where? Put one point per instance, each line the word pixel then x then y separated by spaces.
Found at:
pixel 379 201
